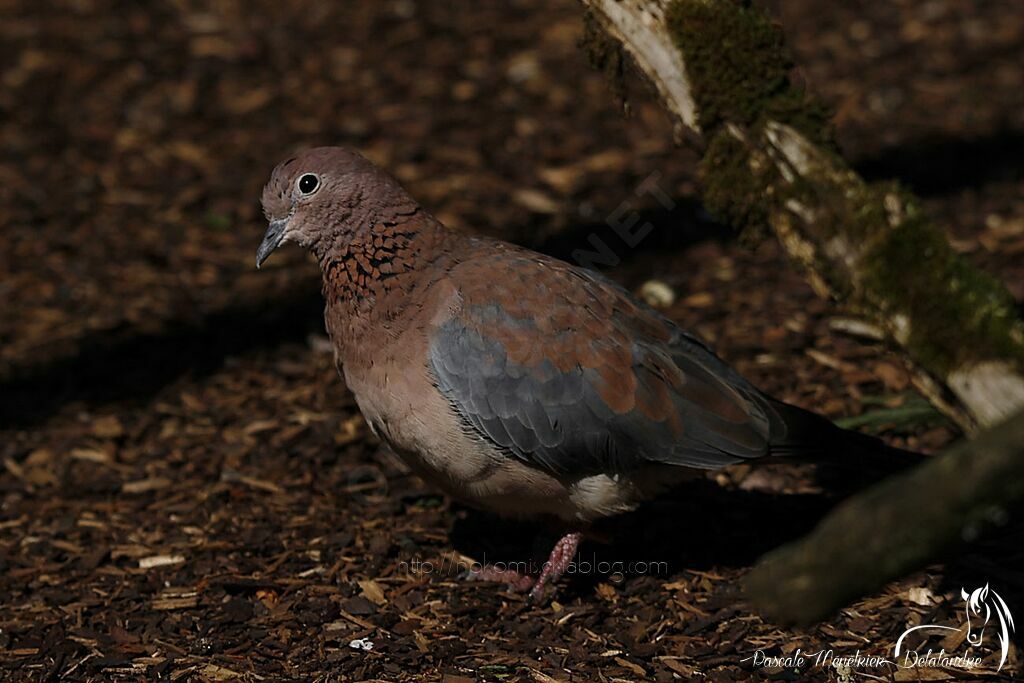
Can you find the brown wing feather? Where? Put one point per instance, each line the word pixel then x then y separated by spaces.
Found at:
pixel 566 370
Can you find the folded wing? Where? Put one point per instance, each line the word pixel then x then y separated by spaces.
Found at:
pixel 563 369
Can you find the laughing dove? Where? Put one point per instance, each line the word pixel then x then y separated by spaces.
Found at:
pixel 515 382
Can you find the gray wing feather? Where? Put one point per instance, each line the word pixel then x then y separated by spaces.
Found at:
pixel 557 419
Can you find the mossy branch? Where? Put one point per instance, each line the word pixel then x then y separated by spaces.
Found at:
pixel 771 162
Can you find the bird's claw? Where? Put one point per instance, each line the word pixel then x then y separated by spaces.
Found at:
pixel 538 595
pixel 517 582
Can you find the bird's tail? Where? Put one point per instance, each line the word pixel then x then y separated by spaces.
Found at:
pixel 813 438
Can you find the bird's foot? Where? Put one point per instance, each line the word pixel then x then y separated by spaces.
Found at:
pixel 559 560
pixel 516 581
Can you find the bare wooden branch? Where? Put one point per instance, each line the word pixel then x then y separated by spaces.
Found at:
pixel 640 27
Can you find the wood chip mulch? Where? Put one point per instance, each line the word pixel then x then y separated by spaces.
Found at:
pixel 187 491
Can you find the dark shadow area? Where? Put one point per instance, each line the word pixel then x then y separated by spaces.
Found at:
pixel 598 245
pixel 997 557
pixel 699 525
pixel 125 364
pixel 937 165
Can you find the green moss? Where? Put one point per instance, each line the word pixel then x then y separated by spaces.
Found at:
pixel 733 193
pixel 957 312
pixel 738 66
pixel 907 266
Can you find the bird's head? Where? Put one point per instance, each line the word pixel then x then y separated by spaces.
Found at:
pixel 325 195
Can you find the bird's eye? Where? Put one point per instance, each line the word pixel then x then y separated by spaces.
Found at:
pixel 308 183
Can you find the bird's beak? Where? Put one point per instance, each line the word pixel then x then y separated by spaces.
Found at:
pixel 271 240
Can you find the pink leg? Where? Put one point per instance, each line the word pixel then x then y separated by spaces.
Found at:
pixel 520 583
pixel 559 560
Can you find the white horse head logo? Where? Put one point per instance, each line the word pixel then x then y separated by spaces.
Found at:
pixel 982 604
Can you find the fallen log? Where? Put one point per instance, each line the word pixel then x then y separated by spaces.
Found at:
pixel 894 528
